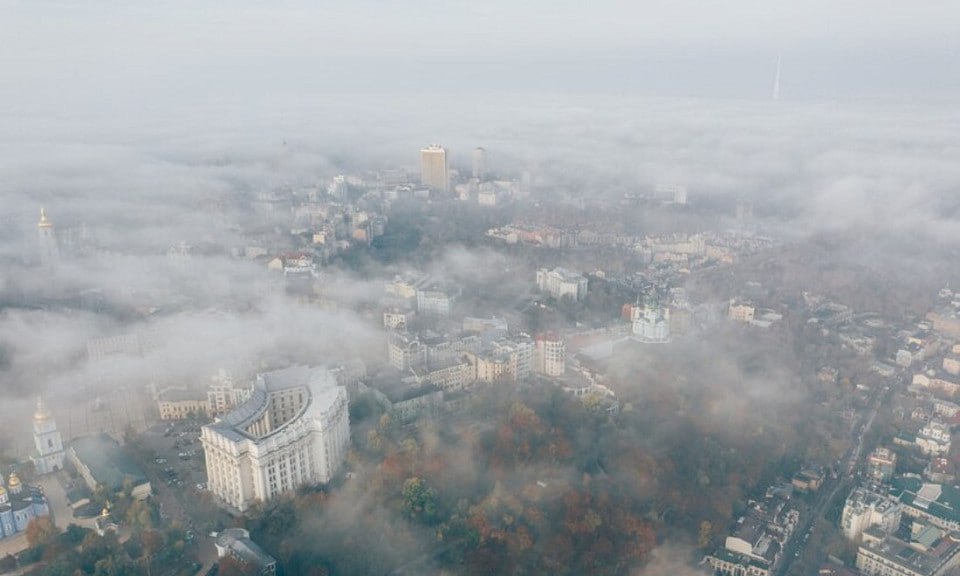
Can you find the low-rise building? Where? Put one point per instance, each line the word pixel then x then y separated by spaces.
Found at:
pixel 102 463
pixel 740 311
pixel 937 504
pixel 180 404
pixel 934 555
pixel 550 358
pixel 236 543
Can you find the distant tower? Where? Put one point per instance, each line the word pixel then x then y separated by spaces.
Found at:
pixel 433 168
pixel 46 439
pixel 49 253
pixel 479 163
pixel 776 82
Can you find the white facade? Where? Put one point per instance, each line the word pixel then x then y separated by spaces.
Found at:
pixel 561 282
pixel 651 323
pixel 433 302
pixel 934 438
pixel 865 509
pixel 550 355
pixel 293 430
pixel 47 441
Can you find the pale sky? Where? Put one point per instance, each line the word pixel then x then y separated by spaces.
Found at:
pixel 156 52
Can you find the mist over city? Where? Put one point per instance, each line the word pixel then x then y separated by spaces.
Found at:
pixel 479 288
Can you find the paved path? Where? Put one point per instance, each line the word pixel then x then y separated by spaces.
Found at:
pixel 14 544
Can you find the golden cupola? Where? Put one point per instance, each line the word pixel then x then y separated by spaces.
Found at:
pixel 41 414
pixel 44 222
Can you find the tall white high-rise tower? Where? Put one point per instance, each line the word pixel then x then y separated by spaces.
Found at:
pixel 479 163
pixel 776 81
pixel 433 168
pixel 46 438
pixel 49 253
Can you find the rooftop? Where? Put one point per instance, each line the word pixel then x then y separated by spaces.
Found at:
pixel 108 463
pixel 237 541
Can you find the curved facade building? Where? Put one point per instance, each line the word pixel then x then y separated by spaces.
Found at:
pixel 294 430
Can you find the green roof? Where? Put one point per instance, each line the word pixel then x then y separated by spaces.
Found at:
pixel 108 463
pixel 946 507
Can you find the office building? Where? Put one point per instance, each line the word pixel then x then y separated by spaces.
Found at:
pixel 479 163
pixel 434 171
pixel 293 430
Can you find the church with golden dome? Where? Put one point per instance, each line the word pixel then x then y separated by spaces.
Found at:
pixel 19 504
pixel 48 456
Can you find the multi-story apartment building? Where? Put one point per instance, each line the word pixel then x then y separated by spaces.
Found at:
pixel 865 509
pixel 881 464
pixel 561 283
pixel 293 430
pixel 550 358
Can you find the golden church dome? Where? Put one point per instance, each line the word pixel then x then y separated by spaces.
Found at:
pixel 44 223
pixel 41 414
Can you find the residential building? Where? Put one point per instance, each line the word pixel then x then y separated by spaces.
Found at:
pixel 561 283
pixel 434 302
pixel 865 509
pixel 940 471
pixel 236 543
pixel 741 311
pixel 479 163
pixel 293 430
pixel 550 358
pixel 881 464
pixel 728 563
pixel 405 398
pixel 395 317
pixel 223 394
pixel 434 171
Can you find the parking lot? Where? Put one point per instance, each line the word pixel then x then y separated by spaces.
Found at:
pixel 179 474
pixel 179 460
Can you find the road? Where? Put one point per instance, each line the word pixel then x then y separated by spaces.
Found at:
pixel 175 498
pixel 834 488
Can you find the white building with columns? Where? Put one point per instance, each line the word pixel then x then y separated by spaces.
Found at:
pixel 293 430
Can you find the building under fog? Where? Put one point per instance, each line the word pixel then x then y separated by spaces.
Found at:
pixel 293 430
pixel 434 171
pixel 19 505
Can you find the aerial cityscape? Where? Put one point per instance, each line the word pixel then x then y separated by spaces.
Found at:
pixel 330 291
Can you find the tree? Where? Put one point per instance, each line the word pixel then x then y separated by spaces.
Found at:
pixel 41 531
pixel 419 500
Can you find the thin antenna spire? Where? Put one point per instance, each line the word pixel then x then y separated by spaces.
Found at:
pixel 776 81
